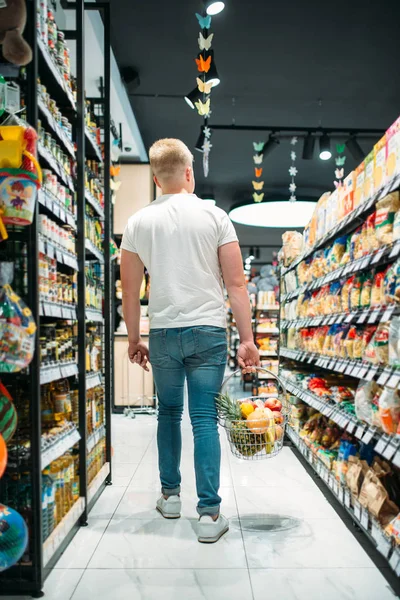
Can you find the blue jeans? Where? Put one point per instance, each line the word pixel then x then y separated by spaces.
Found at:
pixel 198 354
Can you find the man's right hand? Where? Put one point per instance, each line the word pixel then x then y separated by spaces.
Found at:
pixel 248 356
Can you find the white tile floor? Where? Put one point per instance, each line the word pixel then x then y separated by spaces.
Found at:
pixel 129 551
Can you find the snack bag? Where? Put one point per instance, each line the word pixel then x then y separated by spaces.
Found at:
pixel 349 342
pixel 358 344
pixel 355 293
pixel 336 253
pixel 377 350
pixel 356 244
pixel 377 289
pixel 370 241
pixel 359 176
pixel 394 342
pixel 292 246
pixel 367 335
pixel 365 297
pixel 363 401
pixel 321 215
pixel 380 164
pixel 389 410
pixel 369 176
pixel 345 294
pixel 391 290
pixel 396 226
pixel 393 151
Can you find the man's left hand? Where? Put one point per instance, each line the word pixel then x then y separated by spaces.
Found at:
pixel 138 353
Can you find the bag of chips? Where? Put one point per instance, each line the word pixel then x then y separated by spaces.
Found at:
pixel 385 213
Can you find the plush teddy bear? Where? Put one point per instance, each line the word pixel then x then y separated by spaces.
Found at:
pixel 12 25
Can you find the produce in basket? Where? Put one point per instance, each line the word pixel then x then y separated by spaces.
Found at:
pixel 247 443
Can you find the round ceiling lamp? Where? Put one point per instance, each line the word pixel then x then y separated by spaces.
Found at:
pixel 213 7
pixel 209 199
pixel 274 213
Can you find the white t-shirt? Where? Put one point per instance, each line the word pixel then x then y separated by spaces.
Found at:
pixel 177 238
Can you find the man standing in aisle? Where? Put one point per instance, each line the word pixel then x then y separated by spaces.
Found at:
pixel 185 245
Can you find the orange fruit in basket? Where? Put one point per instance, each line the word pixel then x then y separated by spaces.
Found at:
pixel 259 420
pixel 278 432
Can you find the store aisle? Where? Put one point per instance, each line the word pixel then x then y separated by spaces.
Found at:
pixel 130 551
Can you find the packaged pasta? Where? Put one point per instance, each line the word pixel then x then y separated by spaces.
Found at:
pixel 396 226
pixel 365 297
pixel 336 253
pixel 358 347
pixel 355 292
pixel 394 342
pixel 345 294
pixel 385 212
pixel 377 350
pixel 349 342
pixel 292 246
pixel 391 284
pixel 377 289
pixel 365 407
pixel 356 249
pixel 369 239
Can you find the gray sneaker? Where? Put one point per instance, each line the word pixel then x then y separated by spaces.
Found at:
pixel 210 531
pixel 171 508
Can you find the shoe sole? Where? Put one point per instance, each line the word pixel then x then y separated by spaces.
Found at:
pixel 168 515
pixel 212 540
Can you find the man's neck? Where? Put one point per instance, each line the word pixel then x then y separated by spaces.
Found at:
pixel 174 190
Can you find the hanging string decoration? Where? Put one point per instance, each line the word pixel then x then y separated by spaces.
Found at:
pixel 293 170
pixel 340 161
pixel 258 171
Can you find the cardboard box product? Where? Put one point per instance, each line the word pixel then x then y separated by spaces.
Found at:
pixel 332 210
pixel 348 193
pixel 380 164
pixel 359 178
pixel 393 151
pixel 321 215
pixel 369 176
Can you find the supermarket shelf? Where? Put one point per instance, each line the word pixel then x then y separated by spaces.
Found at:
pixel 94 315
pixel 60 133
pixel 386 445
pixel 91 249
pixel 93 144
pixel 55 166
pixel 93 380
pixel 60 445
pixel 265 377
pixel 98 481
pixel 57 77
pixel 349 223
pixel 268 353
pixel 361 516
pixel 270 307
pixel 62 256
pixel 56 538
pixel 382 256
pixel 268 331
pixel 386 375
pixel 94 438
pixel 54 372
pixel 56 310
pixel 52 204
pixel 94 204
pixel 367 316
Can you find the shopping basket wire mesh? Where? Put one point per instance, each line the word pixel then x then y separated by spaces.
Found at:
pixel 254 431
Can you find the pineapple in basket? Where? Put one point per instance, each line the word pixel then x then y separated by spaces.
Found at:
pixel 246 442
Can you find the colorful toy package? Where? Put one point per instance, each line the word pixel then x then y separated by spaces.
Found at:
pixel 17 327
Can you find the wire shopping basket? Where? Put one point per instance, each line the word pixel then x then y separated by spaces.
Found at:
pixel 255 426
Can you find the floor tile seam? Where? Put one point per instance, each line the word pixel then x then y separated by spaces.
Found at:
pixel 78 582
pixel 241 530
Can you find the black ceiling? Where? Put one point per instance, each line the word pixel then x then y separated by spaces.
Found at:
pixel 276 60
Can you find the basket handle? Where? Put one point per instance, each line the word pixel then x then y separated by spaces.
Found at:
pixel 282 385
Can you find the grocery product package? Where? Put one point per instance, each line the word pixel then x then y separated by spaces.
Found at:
pixel 17 327
pixel 321 212
pixel 384 219
pixel 336 252
pixel 375 498
pixel 355 474
pixel 359 176
pixel 380 164
pixel 292 246
pixel 394 342
pixel 393 529
pixel 366 402
pixel 348 193
pixel 396 227
pixel 377 351
pixel 377 297
pixel 393 151
pixel 389 410
pixel 391 284
pixel 369 176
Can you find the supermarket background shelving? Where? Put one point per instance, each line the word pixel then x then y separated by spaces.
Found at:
pixel 65 255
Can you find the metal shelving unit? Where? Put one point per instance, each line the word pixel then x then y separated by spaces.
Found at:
pixel 28 576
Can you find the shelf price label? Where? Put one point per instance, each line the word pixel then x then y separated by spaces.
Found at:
pixel 394 380
pixel 378 256
pixel 382 443
pixel 388 313
pixel 368 435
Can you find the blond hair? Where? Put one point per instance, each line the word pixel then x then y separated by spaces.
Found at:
pixel 169 158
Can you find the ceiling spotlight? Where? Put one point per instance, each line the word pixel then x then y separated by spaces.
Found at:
pixel 212 75
pixel 308 147
pixel 325 147
pixel 200 140
pixel 193 97
pixel 213 7
pixel 355 149
pixel 257 253
pixel 270 145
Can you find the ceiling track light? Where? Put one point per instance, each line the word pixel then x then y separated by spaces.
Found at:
pixel 270 145
pixel 213 7
pixel 308 147
pixel 355 149
pixel 212 75
pixel 200 140
pixel 325 147
pixel 257 253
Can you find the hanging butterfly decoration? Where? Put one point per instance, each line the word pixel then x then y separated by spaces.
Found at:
pixel 203 108
pixel 258 185
pixel 205 43
pixel 258 159
pixel 258 197
pixel 203 86
pixel 258 172
pixel 203 64
pixel 340 162
pixel 293 170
